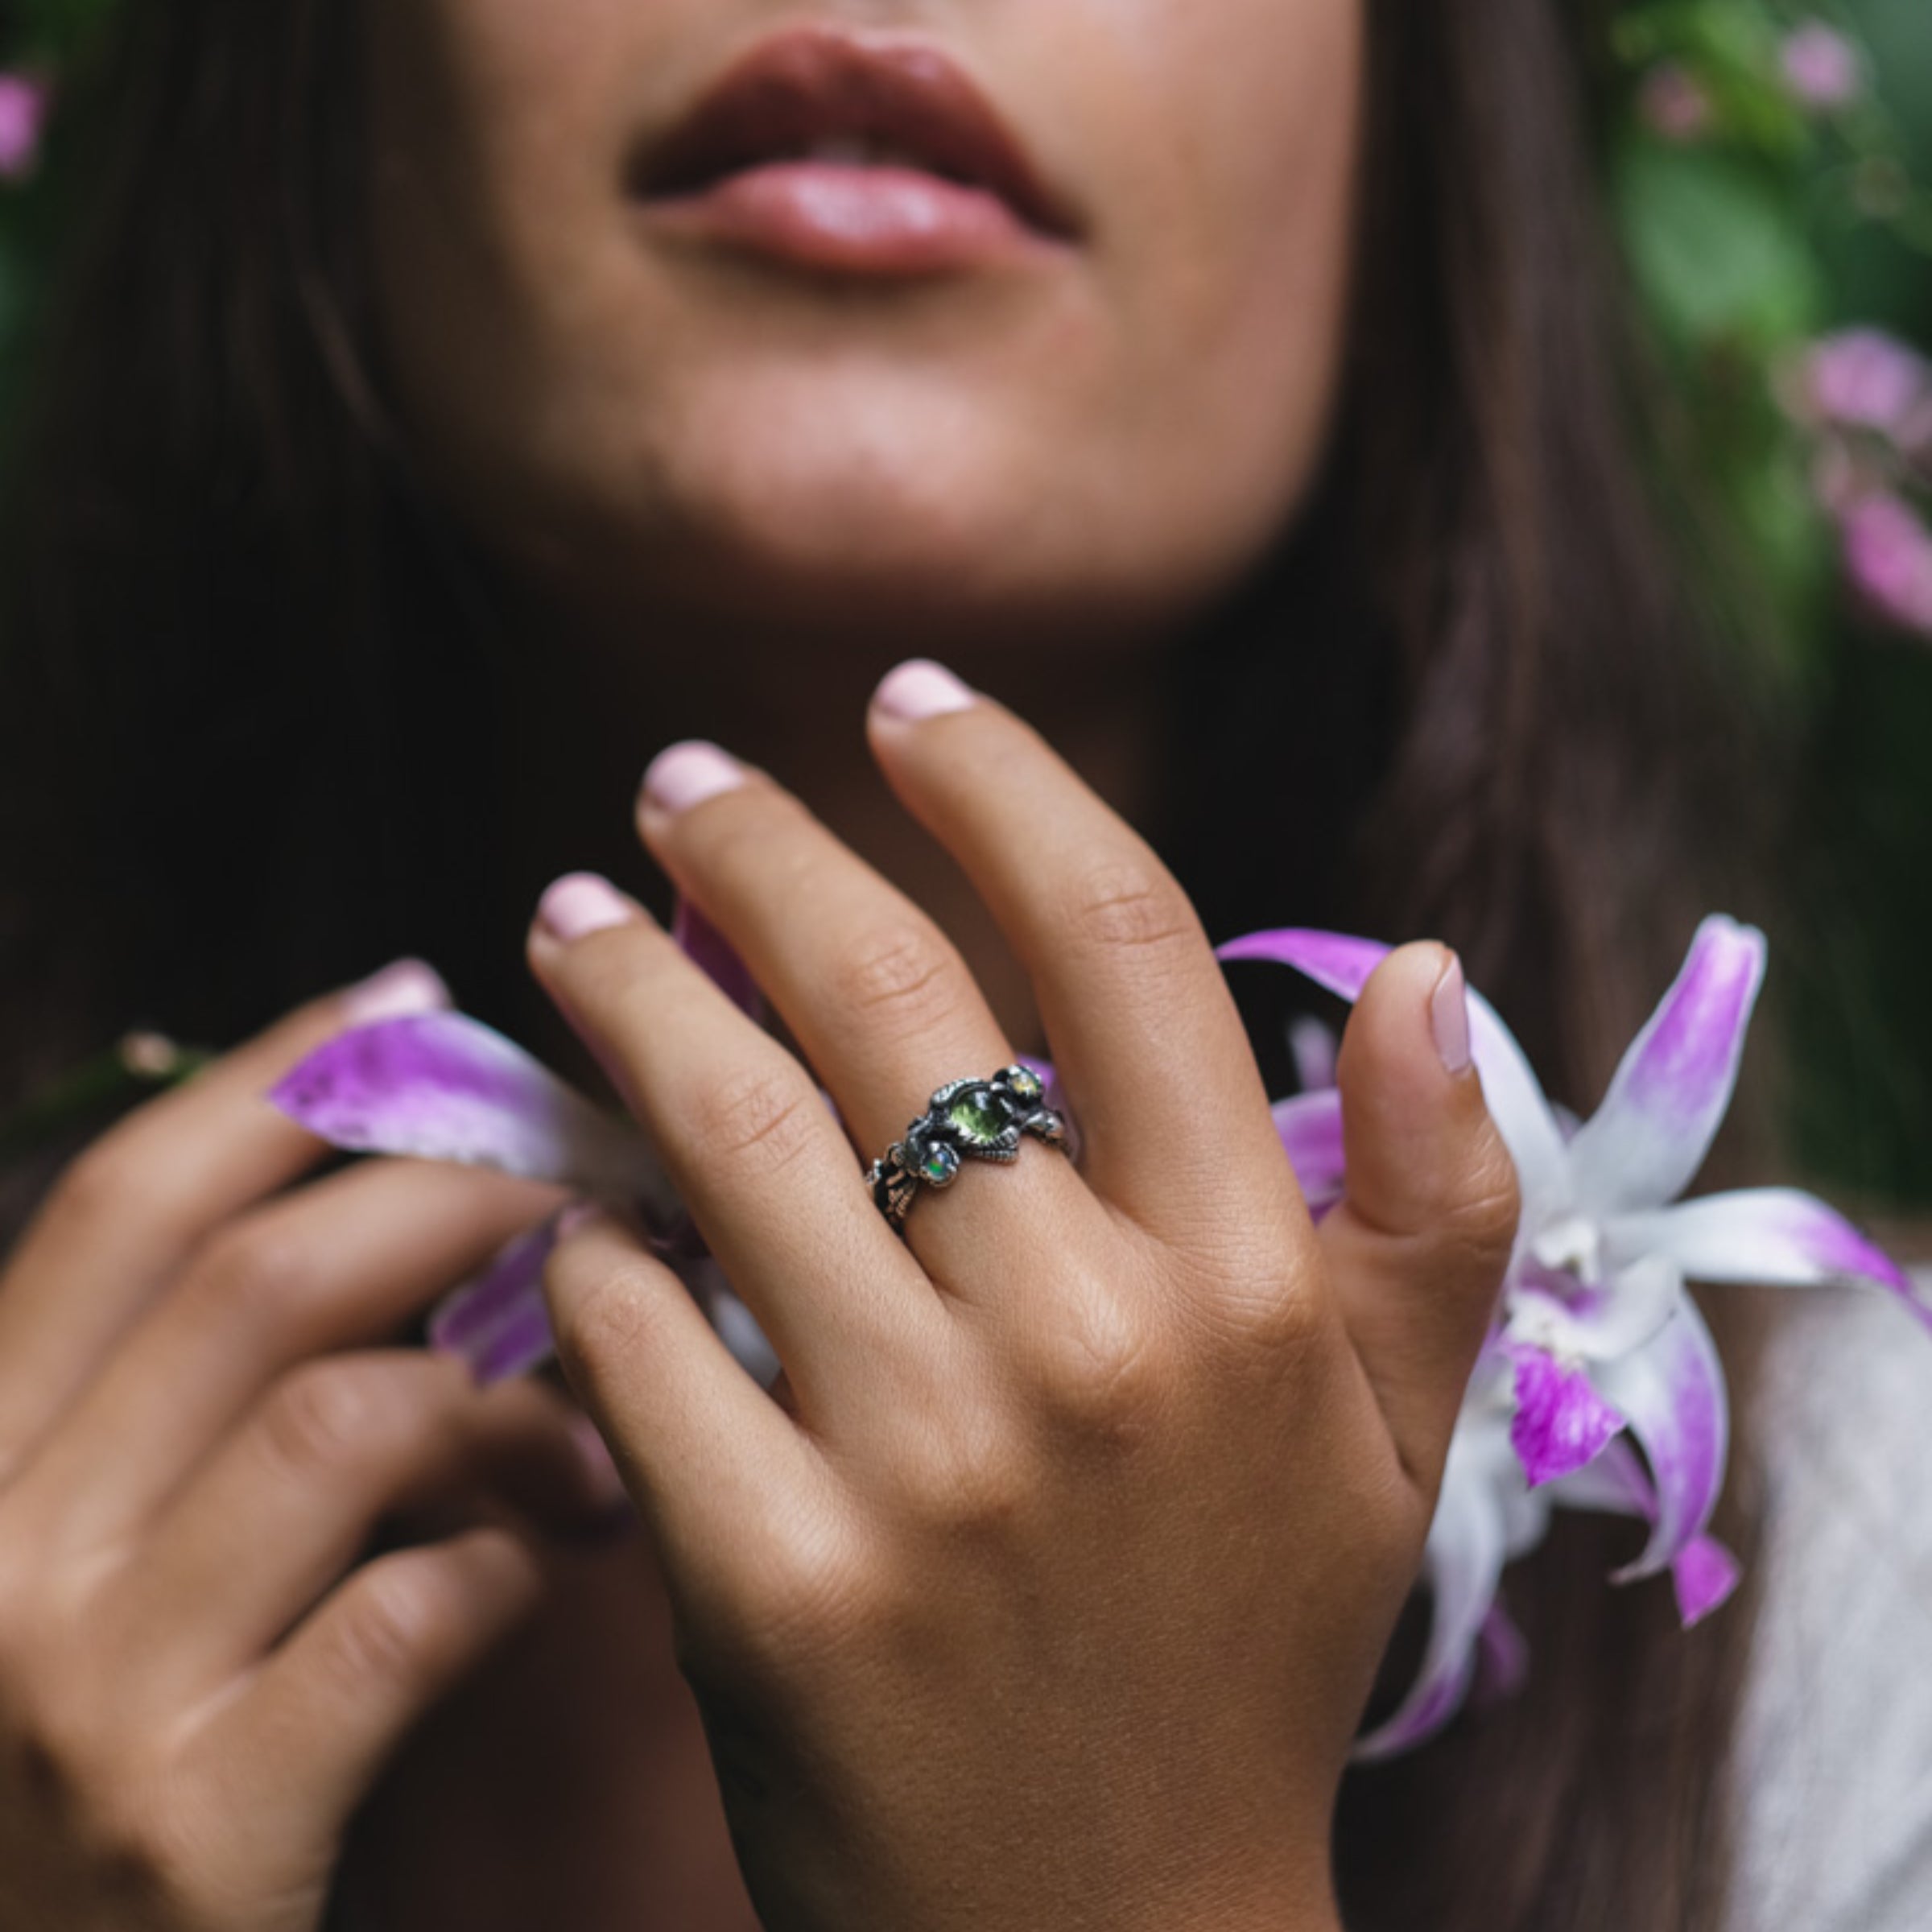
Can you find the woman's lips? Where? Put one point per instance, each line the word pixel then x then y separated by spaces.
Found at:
pixel 837 154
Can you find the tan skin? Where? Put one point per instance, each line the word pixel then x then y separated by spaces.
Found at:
pixel 1050 1592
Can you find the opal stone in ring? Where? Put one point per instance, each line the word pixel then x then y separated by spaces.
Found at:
pixel 967 1120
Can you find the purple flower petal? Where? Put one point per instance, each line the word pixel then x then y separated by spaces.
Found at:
pixel 1502 1659
pixel 1515 1097
pixel 1344 965
pixel 707 947
pixel 1561 1423
pixel 1464 1566
pixel 522 1345
pixel 1310 1127
pixel 1771 1237
pixel 1672 1392
pixel 1706 1573
pixel 467 1320
pixel 1705 1577
pixel 1312 1046
pixel 441 1087
pixel 1649 1138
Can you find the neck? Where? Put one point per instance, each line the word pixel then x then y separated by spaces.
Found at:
pixel 582 732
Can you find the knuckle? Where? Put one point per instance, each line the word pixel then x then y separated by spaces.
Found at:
pixel 903 974
pixel 252 1275
pixel 320 1419
pixel 1131 905
pixel 768 1112
pixel 112 1180
pixel 1483 1216
pixel 1104 1369
pixel 601 1312
pixel 395 1623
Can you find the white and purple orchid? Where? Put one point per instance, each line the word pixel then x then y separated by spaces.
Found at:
pixel 1597 1347
pixel 1600 1388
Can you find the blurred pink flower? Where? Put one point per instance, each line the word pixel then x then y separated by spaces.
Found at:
pixel 23 106
pixel 1822 69
pixel 1673 104
pixel 1863 379
pixel 1889 557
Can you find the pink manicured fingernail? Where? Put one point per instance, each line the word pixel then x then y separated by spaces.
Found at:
pixel 687 775
pixel 583 904
pixel 408 987
pixel 922 690
pixel 1449 1017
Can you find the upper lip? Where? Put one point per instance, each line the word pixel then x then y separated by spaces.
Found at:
pixel 811 84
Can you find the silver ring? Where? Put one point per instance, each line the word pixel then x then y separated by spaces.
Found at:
pixel 968 1121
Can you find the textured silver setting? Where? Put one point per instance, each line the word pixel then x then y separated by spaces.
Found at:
pixel 966 1120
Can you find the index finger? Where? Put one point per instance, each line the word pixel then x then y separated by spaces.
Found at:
pixel 125 1217
pixel 1145 1034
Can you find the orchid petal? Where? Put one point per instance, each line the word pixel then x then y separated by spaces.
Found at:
pixel 1464 1566
pixel 521 1345
pixel 1502 1658
pixel 1561 1423
pixel 1772 1237
pixel 705 946
pixel 1705 1578
pixel 442 1087
pixel 1616 1483
pixel 1312 1048
pixel 1310 1128
pixel 1650 1138
pixel 468 1320
pixel 1344 966
pixel 1672 1390
pixel 1597 1324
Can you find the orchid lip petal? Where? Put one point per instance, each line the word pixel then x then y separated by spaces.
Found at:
pixel 1772 1237
pixel 1561 1424
pixel 1672 1392
pixel 1344 966
pixel 443 1086
pixel 1646 1143
pixel 1602 1323
pixel 1311 1130
pixel 1464 1566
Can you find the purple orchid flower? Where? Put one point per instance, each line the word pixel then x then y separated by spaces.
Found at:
pixel 1596 1345
pixel 443 1087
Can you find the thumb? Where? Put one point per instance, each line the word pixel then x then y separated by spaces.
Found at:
pixel 1417 1250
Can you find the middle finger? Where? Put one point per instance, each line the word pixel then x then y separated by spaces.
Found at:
pixel 878 998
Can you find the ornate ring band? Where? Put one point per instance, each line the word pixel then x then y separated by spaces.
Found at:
pixel 967 1120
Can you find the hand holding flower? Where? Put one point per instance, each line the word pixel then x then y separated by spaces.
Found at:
pixel 1051 1590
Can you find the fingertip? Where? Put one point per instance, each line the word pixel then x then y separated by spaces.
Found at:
pixel 918 691
pixel 578 907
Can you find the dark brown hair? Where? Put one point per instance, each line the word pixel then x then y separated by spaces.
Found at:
pixel 248 669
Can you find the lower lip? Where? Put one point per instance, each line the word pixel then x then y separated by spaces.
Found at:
pixel 878 221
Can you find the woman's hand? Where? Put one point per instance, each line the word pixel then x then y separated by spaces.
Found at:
pixel 1050 1591
pixel 199 1680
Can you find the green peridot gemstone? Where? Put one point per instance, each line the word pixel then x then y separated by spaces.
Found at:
pixel 978 1115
